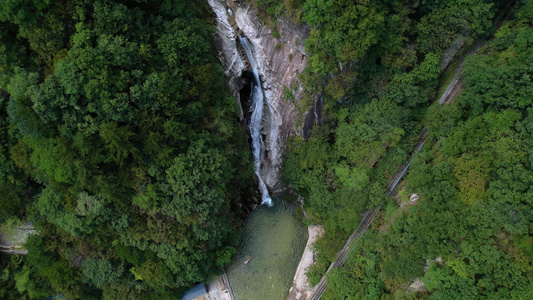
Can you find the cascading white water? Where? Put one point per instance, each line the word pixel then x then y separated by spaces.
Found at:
pixel 256 98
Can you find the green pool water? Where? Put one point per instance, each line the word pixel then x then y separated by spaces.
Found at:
pixel 274 240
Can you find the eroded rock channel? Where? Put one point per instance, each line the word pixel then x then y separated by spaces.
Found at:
pixel 278 62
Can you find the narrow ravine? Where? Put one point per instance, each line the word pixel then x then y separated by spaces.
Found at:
pixel 256 107
pixel 278 61
pixel 258 73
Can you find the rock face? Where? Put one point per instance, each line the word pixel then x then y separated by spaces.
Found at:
pixel 279 61
pixel 226 46
pixel 417 286
pixel 413 199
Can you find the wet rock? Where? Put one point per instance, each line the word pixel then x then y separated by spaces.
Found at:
pixel 227 51
pixel 279 61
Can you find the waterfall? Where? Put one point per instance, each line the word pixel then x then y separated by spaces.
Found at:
pixel 256 99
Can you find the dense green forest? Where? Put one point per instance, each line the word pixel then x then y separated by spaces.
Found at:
pixel 377 65
pixel 471 234
pixel 120 144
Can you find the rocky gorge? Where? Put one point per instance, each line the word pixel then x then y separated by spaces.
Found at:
pixel 279 61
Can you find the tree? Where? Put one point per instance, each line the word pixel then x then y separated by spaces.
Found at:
pixel 117 141
pixel 100 272
pixel 196 181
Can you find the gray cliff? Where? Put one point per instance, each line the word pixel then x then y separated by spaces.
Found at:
pixel 279 61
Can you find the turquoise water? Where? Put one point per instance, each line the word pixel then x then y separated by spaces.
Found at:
pixel 273 241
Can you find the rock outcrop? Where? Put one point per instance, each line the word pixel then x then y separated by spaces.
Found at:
pixel 227 51
pixel 279 61
pixel 12 239
pixel 413 200
pixel 417 286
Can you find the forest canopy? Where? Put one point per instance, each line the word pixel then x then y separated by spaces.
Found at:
pixel 379 66
pixel 470 235
pixel 120 144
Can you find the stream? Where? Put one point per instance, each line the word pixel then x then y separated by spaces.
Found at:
pixel 256 107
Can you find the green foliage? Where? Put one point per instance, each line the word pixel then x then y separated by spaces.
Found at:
pixel 196 181
pixel 9 201
pixel 473 179
pixel 275 9
pixel 58 272
pixel 100 272
pixel 471 174
pixel 371 47
pixel 355 179
pixel 437 30
pixel 317 12
pixel 9 266
pixel 289 96
pixel 154 273
pixel 501 80
pixel 224 256
pixel 377 65
pixel 413 88
pixel 119 142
